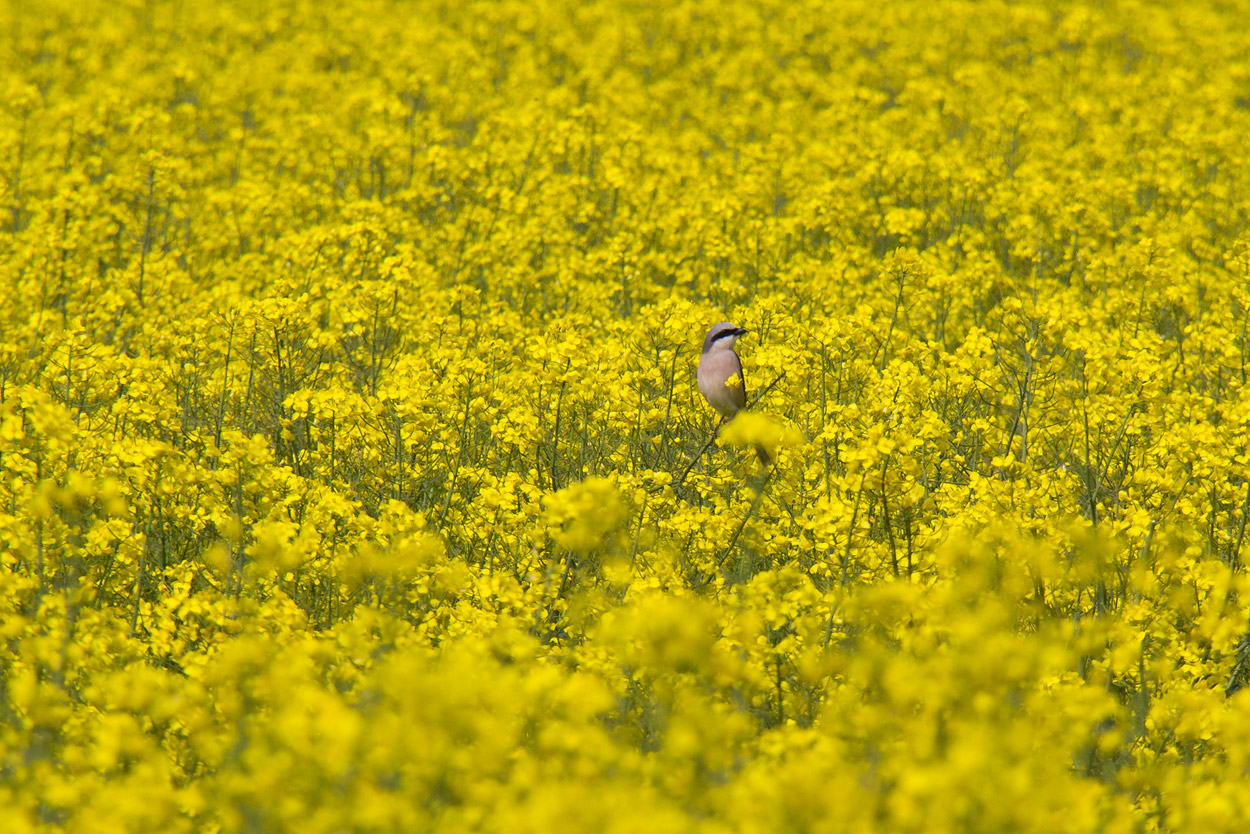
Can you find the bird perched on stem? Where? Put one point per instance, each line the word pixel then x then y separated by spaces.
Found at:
pixel 720 375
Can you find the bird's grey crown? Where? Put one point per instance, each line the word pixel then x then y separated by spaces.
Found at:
pixel 721 330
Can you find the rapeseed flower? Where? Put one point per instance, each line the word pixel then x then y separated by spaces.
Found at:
pixel 350 469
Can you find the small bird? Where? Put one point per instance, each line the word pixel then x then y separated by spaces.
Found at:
pixel 720 375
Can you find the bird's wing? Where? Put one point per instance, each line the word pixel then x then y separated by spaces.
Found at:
pixel 739 392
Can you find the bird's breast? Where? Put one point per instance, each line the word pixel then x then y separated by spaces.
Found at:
pixel 715 369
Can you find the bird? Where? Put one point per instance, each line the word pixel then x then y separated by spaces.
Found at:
pixel 720 376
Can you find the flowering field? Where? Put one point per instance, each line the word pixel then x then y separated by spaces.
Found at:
pixel 350 447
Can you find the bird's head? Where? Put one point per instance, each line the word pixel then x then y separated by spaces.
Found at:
pixel 722 336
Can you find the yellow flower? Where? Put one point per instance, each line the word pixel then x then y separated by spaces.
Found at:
pixel 582 515
pixel 751 428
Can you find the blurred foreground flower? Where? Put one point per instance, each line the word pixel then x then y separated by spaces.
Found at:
pixel 761 431
pixel 405 550
pixel 580 516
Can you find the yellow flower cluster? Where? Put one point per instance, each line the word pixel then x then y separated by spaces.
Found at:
pixel 354 477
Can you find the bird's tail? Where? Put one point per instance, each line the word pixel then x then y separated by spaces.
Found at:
pixel 765 458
